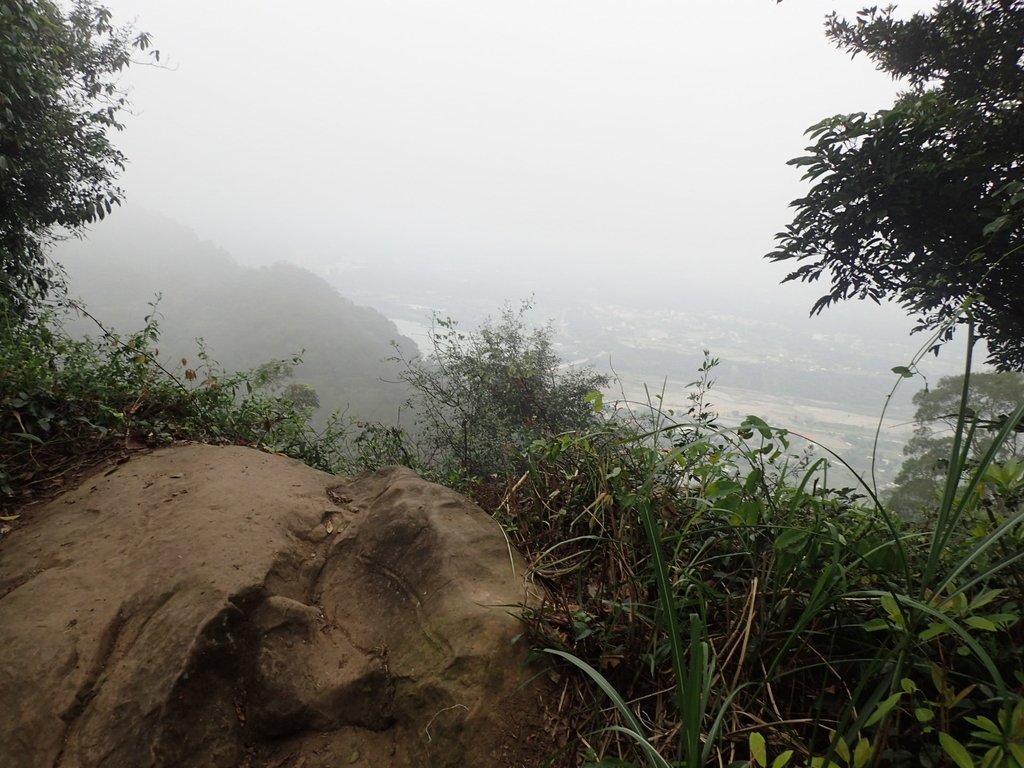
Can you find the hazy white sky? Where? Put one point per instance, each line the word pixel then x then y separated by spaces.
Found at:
pixel 552 137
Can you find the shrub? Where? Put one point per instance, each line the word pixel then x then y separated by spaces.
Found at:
pixel 66 403
pixel 482 398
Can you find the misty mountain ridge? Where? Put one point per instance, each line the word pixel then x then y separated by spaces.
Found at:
pixel 247 316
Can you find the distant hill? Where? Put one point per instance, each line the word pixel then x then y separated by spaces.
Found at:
pixel 247 316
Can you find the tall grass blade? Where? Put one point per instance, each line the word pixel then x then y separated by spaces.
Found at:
pixel 634 730
pixel 957 460
pixel 670 616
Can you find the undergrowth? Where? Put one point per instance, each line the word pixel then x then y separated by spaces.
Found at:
pixel 68 403
pixel 715 602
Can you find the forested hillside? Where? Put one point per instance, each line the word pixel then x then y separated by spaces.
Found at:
pixel 246 316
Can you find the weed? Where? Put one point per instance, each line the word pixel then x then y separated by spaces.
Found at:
pixel 67 403
pixel 740 608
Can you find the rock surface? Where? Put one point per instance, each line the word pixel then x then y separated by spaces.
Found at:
pixel 221 607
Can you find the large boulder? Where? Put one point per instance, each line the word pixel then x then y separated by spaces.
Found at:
pixel 217 606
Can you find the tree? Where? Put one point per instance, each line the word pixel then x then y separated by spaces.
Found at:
pixel 992 397
pixel 923 203
pixel 275 377
pixel 59 98
pixel 482 398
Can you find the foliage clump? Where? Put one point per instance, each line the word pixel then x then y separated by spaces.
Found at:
pixel 59 97
pixel 923 203
pixel 67 403
pixel 481 398
pixel 993 396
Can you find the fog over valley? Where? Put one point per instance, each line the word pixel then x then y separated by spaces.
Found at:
pixel 826 378
pixel 622 166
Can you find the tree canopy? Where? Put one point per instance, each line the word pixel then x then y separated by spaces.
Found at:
pixel 923 203
pixel 992 397
pixel 59 98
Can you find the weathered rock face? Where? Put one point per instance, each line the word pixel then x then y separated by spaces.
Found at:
pixel 217 606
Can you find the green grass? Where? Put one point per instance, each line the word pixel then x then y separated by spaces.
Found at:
pixel 723 598
pixel 67 403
